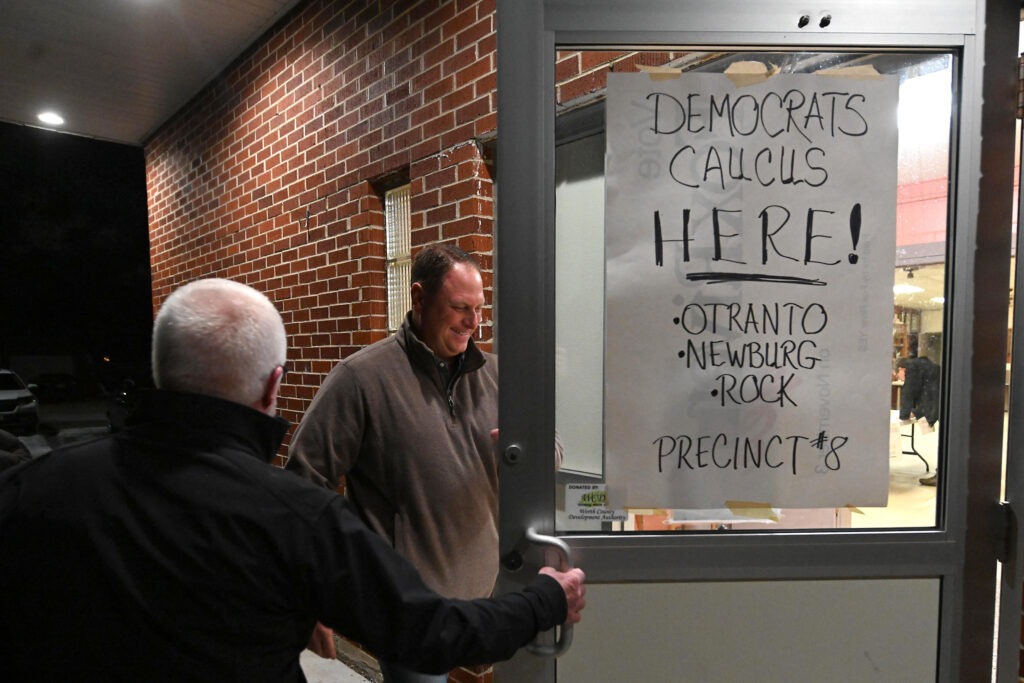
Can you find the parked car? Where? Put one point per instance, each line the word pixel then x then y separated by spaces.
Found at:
pixel 55 387
pixel 19 408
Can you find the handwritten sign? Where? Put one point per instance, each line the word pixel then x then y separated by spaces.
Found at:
pixel 750 247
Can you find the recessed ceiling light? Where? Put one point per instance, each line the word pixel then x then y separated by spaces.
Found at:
pixel 51 118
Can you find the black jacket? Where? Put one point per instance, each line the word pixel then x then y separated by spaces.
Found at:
pixel 920 395
pixel 174 552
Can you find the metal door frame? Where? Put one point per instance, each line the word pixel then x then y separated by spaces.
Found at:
pixel 979 247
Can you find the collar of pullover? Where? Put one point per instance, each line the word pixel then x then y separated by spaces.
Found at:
pixel 424 358
pixel 211 423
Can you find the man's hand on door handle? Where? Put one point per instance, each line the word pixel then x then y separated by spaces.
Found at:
pixel 572 583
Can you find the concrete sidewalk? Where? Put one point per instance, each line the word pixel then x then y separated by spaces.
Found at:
pixel 320 670
pixel 39 444
pixel 63 423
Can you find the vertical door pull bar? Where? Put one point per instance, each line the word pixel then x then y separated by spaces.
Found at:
pixel 561 548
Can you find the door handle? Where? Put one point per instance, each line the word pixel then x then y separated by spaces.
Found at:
pixel 561 548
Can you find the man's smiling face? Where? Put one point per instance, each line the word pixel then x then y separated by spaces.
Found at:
pixel 446 320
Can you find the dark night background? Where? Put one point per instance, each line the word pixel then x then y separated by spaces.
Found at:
pixel 74 258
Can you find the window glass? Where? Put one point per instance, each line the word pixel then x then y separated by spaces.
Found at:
pixel 398 229
pixel 917 315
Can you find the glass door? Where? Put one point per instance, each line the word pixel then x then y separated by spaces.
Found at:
pixel 736 307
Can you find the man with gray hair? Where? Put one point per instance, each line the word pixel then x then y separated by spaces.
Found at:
pixel 173 551
pixel 210 336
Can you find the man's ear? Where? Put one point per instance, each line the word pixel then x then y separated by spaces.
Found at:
pixel 416 295
pixel 268 401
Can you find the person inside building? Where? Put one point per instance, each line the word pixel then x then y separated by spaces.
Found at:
pixel 920 399
pixel 408 421
pixel 174 551
pixel 920 396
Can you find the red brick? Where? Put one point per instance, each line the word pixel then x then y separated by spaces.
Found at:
pixel 584 85
pixel 474 110
pixel 461 226
pixel 472 35
pixel 439 53
pixel 462 189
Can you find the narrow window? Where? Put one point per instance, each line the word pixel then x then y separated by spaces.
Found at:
pixel 397 221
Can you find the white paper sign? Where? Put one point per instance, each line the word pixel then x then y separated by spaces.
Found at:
pixel 750 256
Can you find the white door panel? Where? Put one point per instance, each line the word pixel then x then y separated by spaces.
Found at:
pixel 769 632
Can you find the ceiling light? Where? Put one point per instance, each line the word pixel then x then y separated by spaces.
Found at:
pixel 905 289
pixel 938 300
pixel 51 118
